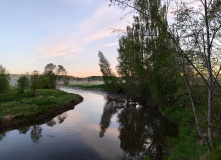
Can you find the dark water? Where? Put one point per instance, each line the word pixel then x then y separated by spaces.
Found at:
pixel 101 127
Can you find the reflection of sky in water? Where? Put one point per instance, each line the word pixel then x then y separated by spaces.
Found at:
pixel 77 137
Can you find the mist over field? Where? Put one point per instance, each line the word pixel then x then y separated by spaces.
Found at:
pixel 14 78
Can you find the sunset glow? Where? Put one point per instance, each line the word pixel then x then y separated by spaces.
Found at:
pixel 65 32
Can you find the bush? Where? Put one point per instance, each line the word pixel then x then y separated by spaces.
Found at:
pixel 45 82
pixel 23 82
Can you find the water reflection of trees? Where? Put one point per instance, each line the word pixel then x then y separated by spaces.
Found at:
pixel 2 135
pixel 142 129
pixel 36 130
pixel 36 133
pixel 62 117
pixel 51 123
pixel 24 130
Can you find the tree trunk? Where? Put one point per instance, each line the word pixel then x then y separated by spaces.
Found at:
pixel 193 105
pixel 210 84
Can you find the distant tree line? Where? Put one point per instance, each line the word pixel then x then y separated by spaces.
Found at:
pixel 47 80
pixel 164 62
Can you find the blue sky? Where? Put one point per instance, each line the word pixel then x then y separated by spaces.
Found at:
pixel 66 32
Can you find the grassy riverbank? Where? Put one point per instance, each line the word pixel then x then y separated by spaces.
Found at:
pixel 189 145
pixel 18 108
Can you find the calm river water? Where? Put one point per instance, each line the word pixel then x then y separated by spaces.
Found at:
pixel 102 127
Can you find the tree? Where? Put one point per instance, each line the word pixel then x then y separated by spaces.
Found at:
pixel 35 81
pixel 49 72
pixel 109 77
pixel 195 37
pixel 4 80
pixel 55 74
pixel 45 82
pixel 61 70
pixel 66 80
pixel 144 64
pixel 23 82
pixel 50 67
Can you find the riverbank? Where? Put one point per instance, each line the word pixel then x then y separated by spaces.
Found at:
pixel 18 109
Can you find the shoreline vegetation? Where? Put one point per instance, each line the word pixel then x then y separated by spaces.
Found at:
pixel 21 109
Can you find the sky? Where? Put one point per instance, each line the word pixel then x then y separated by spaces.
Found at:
pixel 34 33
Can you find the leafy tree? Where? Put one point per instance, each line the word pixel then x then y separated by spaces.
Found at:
pixel 50 67
pixel 45 82
pixel 109 77
pixel 61 70
pixel 35 81
pixel 4 80
pixel 55 74
pixel 49 72
pixel 23 82
pixel 147 68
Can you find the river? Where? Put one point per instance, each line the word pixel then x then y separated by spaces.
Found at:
pixel 102 127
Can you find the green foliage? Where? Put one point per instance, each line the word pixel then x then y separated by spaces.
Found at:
pixel 55 74
pixel 215 154
pixel 110 79
pixel 45 82
pixel 4 80
pixel 160 56
pixel 52 78
pixel 50 67
pixel 147 68
pixel 35 81
pixel 23 83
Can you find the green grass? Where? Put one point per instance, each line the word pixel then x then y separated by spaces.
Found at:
pixel 215 154
pixel 25 106
pixel 188 145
